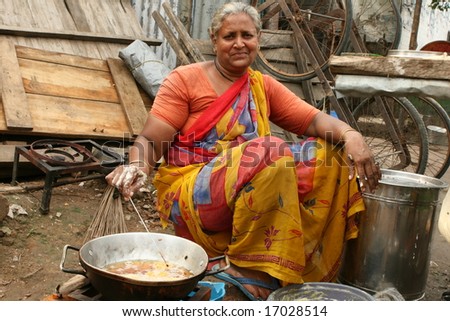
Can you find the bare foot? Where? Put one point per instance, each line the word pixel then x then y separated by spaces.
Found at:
pixel 257 291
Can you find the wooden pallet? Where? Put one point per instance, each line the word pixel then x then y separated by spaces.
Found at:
pixel 46 93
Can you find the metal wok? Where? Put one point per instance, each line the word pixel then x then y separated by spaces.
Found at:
pixel 99 252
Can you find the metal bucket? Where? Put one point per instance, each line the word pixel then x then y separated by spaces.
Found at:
pixel 393 246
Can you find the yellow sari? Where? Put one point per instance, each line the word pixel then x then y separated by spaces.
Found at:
pixel 227 184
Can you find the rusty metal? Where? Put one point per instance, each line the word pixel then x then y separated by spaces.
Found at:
pixel 58 148
pixel 59 157
pixel 438 45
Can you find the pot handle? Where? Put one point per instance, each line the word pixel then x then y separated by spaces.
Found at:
pixel 216 268
pixel 63 260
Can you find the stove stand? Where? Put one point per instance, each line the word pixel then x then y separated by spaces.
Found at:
pixel 78 288
pixel 60 157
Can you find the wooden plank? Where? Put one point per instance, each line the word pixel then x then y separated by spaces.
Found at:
pixel 61 58
pixel 44 16
pixel 67 81
pixel 75 8
pixel 129 95
pixel 280 55
pixel 67 117
pixel 74 35
pixel 98 22
pixel 437 67
pixel 105 23
pixel 205 46
pixel 7 153
pixel 113 15
pixel 183 34
pixel 77 46
pixel 64 15
pixel 146 99
pixel 23 13
pixel 132 21
pixel 72 118
pixel 171 39
pixel 16 13
pixel 276 39
pixel 14 100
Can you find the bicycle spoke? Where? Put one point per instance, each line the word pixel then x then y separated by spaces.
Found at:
pixel 328 22
pixel 407 150
pixel 437 123
pixel 378 22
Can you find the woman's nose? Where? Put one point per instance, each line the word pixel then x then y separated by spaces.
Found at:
pixel 239 42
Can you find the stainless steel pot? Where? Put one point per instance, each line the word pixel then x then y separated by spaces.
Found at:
pixel 395 233
pixel 95 254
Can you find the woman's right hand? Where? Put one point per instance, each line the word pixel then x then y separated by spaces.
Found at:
pixel 362 161
pixel 127 179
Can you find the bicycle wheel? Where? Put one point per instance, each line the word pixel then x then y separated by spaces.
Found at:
pixel 378 23
pixel 395 132
pixel 325 24
pixel 437 123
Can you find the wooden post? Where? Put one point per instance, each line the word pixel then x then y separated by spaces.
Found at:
pixel 415 25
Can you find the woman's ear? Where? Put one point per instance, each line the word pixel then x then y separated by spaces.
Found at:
pixel 213 42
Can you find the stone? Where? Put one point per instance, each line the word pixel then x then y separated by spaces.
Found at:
pixel 4 207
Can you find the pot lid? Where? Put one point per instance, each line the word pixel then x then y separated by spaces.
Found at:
pixel 405 179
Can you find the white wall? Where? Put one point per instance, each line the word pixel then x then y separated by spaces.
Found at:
pixel 434 24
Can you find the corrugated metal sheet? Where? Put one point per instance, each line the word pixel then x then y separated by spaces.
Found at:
pixel 203 12
pixel 144 9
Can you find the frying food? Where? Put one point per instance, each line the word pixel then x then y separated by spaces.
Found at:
pixel 149 270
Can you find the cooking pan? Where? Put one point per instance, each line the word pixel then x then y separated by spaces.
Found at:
pixel 97 253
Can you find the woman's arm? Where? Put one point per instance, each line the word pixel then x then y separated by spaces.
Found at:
pixel 148 148
pixel 358 152
pixel 152 143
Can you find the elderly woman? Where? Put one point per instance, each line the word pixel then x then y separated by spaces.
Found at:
pixel 280 212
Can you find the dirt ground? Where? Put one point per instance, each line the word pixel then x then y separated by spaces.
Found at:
pixel 31 244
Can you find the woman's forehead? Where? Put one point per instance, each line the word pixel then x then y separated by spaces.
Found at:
pixel 236 22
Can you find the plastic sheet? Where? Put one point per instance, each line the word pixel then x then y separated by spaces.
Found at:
pixel 364 86
pixel 146 68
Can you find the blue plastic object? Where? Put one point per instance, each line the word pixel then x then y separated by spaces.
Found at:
pixel 217 290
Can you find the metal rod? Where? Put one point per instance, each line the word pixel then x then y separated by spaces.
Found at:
pixel 151 236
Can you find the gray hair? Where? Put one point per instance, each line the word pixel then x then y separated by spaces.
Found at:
pixel 232 8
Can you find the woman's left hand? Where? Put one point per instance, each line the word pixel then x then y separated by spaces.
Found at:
pixel 361 161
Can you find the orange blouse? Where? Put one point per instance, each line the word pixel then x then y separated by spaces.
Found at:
pixel 186 93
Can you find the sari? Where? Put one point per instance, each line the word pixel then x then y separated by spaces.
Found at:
pixel 233 188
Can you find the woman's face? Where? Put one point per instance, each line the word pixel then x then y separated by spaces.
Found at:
pixel 236 43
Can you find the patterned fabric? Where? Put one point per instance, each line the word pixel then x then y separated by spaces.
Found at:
pixel 285 209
